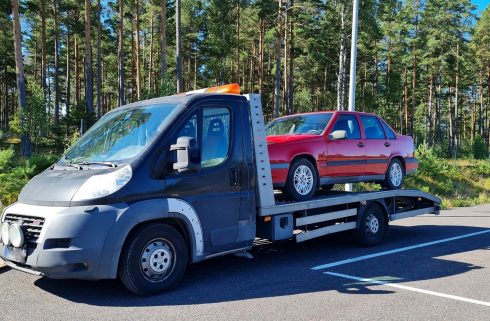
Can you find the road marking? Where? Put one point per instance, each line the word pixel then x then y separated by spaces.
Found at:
pixel 409 288
pixel 403 249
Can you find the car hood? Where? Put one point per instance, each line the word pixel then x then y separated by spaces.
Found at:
pixel 55 187
pixel 290 138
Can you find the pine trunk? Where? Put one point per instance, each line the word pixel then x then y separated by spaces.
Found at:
pixel 43 46
pixel 178 45
pixel 21 84
pixel 138 71
pixel 89 99
pixel 291 60
pixel 277 86
pixel 68 74
pixel 163 41
pixel 56 69
pixel 120 55
pixel 99 61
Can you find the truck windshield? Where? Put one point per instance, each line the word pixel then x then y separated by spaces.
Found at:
pixel 120 135
pixel 310 124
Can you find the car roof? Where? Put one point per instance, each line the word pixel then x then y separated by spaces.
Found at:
pixel 329 112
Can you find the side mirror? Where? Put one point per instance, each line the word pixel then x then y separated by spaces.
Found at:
pixel 338 134
pixel 188 159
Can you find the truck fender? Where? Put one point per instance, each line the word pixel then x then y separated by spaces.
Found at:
pixel 362 207
pixel 144 211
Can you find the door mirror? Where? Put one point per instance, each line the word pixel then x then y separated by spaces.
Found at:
pixel 338 134
pixel 188 159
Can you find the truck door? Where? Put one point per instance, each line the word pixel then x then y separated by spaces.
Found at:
pixel 215 190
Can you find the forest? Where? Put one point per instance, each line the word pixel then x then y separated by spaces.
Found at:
pixel 423 65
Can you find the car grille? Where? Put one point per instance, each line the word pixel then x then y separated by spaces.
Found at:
pixel 33 225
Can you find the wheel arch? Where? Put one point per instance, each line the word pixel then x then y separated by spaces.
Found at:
pixel 401 159
pixel 362 208
pixel 310 158
pixel 175 212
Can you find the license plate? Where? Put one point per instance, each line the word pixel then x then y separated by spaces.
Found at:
pixel 15 254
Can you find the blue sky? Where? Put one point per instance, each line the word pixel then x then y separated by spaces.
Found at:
pixel 481 5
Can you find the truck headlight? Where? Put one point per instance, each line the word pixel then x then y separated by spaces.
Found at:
pixel 5 233
pixel 103 185
pixel 16 235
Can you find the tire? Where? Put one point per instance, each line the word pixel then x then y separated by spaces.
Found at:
pixel 153 260
pixel 372 226
pixel 327 187
pixel 395 175
pixel 302 181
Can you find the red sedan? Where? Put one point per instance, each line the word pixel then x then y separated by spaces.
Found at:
pixel 320 149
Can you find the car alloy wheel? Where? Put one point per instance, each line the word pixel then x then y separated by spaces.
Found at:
pixel 396 174
pixel 303 180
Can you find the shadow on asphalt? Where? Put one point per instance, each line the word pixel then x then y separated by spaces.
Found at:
pixel 285 269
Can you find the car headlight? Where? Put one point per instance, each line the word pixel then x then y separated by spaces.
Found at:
pixel 16 235
pixel 5 233
pixel 103 185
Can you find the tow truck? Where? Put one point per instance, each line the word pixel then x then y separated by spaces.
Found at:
pixel 156 185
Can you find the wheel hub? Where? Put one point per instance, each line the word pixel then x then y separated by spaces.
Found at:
pixel 396 174
pixel 303 179
pixel 156 259
pixel 372 223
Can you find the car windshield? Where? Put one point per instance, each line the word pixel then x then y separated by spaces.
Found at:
pixel 311 124
pixel 120 135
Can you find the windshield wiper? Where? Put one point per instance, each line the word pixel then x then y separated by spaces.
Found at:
pixel 108 164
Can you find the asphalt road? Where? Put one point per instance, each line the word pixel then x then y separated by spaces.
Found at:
pixel 438 268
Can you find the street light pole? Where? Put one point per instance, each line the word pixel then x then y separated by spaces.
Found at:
pixel 353 62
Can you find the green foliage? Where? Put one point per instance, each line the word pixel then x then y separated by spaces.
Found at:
pixel 16 171
pixel 480 150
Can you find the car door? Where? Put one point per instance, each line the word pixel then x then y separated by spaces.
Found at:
pixel 346 157
pixel 215 190
pixel 378 147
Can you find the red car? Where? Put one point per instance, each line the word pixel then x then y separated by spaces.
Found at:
pixel 320 149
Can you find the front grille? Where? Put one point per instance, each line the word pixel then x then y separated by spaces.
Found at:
pixel 33 225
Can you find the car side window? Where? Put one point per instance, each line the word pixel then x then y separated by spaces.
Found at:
pixel 350 124
pixel 388 130
pixel 372 127
pixel 215 136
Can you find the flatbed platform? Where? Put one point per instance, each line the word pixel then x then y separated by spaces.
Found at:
pixel 333 198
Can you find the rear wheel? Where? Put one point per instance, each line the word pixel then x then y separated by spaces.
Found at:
pixel 372 226
pixel 302 181
pixel 153 260
pixel 394 175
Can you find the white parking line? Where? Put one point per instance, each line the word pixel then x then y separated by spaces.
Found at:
pixel 365 257
pixel 409 288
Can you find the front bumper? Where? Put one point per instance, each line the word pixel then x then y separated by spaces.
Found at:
pixel 71 241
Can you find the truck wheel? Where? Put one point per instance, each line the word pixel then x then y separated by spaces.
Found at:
pixel 302 181
pixel 372 226
pixel 153 260
pixel 394 175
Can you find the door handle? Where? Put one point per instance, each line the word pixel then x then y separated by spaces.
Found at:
pixel 387 144
pixel 361 144
pixel 234 176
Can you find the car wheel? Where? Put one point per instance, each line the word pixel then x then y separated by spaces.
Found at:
pixel 372 226
pixel 394 175
pixel 153 260
pixel 302 181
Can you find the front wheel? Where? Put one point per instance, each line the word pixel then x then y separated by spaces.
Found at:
pixel 394 175
pixel 153 260
pixel 302 181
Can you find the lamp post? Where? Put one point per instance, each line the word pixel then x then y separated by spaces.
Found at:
pixel 353 61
